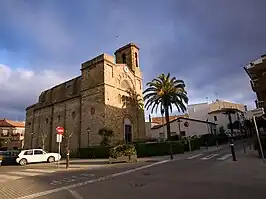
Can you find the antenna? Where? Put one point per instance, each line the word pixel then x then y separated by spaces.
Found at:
pixel 216 94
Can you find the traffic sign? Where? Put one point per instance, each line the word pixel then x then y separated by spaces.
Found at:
pixel 258 112
pixel 186 124
pixel 59 138
pixel 60 130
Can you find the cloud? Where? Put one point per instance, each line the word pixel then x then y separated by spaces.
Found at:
pixel 206 42
pixel 21 87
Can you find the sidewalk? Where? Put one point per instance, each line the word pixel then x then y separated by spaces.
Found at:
pixel 84 163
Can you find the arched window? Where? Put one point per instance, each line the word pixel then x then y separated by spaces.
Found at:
pixel 136 59
pixel 125 84
pixel 124 58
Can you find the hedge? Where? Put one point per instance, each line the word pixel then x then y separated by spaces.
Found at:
pixel 158 149
pixel 94 152
pixel 143 150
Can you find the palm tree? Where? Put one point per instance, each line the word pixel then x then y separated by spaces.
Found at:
pixel 163 92
pixel 136 101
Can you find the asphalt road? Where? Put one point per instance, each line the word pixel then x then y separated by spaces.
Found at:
pixel 200 174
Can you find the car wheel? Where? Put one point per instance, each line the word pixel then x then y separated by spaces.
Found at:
pixel 23 162
pixel 51 159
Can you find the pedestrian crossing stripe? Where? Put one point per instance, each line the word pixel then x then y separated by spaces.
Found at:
pixel 9 177
pixel 24 173
pixel 40 170
pixel 210 156
pixel 194 156
pixel 224 157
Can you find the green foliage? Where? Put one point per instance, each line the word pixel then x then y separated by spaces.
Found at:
pixel 221 129
pixel 122 150
pixel 158 149
pixel 94 152
pixel 163 92
pixel 195 143
pixel 106 135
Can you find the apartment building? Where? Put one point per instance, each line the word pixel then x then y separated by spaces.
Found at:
pixel 256 71
pixel 11 134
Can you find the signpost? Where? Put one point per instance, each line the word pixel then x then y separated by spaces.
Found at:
pixel 258 113
pixel 59 135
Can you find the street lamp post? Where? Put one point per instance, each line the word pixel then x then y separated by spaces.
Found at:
pixel 228 112
pixel 88 130
pixel 31 140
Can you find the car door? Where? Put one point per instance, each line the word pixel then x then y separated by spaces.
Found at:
pixel 28 155
pixel 39 155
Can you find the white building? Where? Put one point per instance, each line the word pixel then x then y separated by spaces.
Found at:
pixel 181 126
pixel 213 112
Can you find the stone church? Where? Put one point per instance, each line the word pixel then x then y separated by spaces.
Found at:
pixel 89 102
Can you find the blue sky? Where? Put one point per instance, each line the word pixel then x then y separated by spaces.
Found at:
pixel 206 43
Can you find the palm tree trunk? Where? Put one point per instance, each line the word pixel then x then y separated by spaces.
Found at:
pixel 137 112
pixel 168 130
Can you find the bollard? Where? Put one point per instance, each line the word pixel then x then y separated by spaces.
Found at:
pixel 233 151
pixel 171 152
pixel 67 159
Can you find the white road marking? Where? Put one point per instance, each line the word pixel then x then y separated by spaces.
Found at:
pixel 87 174
pixel 210 156
pixel 40 170
pixel 35 195
pixel 75 194
pixel 9 177
pixel 224 157
pixel 25 173
pixel 194 156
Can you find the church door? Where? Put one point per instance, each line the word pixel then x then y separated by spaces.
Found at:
pixel 128 133
pixel 128 130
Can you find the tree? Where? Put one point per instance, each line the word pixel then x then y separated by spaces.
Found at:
pixel 106 135
pixel 67 135
pixel 43 137
pixel 163 92
pixel 136 101
pixel 221 130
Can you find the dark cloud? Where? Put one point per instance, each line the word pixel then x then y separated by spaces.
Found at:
pixel 204 42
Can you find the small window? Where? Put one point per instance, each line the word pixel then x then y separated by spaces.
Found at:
pixel 15 131
pixel 5 132
pixel 29 123
pixel 183 133
pixel 215 118
pixel 73 115
pixel 38 152
pixel 136 59
pixel 28 152
pixel 47 120
pixel 58 117
pixel 124 58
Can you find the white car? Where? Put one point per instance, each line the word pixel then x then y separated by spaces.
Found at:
pixel 35 156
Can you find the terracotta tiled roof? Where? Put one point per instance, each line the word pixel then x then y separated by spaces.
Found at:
pixel 161 120
pixel 10 123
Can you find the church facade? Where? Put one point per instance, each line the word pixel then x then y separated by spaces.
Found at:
pixel 89 102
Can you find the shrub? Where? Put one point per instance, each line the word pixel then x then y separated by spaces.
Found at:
pixel 195 143
pixel 122 150
pixel 158 149
pixel 94 152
